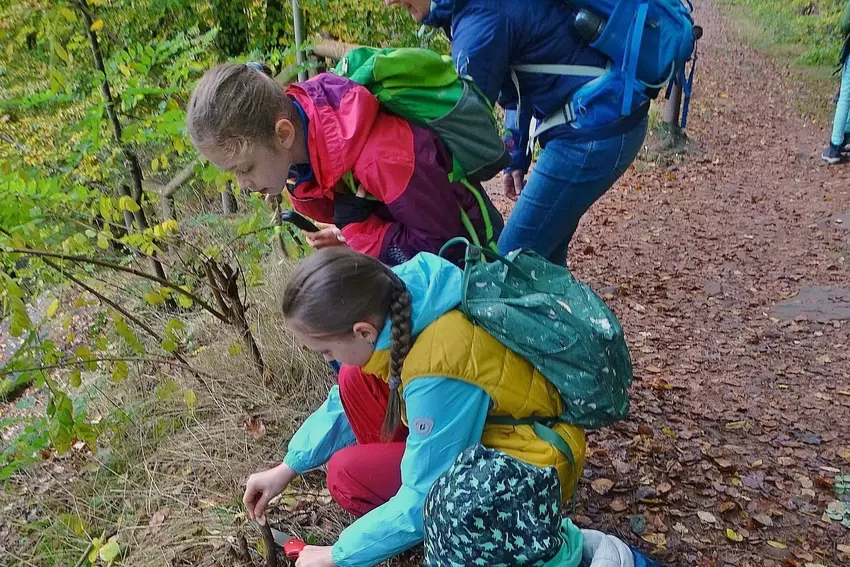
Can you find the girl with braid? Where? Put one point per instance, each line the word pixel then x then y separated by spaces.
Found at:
pixel 445 376
pixel 311 137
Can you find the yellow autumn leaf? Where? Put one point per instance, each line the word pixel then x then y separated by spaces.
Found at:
pixel 60 51
pixel 777 544
pixel 51 309
pixel 733 535
pixel 97 25
pixel 68 14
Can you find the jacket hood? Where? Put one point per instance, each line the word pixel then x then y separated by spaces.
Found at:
pixel 434 285
pixel 341 115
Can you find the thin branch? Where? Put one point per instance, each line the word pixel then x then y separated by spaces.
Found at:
pixel 86 260
pixel 70 363
pixel 181 178
pixel 215 289
pixel 84 557
pixel 112 37
pixel 112 304
pixel 183 362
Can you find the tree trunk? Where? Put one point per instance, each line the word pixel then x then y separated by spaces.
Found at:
pixel 129 155
pixel 671 131
pixel 673 107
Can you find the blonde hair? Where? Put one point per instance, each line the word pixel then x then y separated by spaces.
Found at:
pixel 234 106
pixel 335 288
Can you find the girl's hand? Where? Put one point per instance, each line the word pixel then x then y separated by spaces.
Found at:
pixel 263 486
pixel 329 235
pixel 313 556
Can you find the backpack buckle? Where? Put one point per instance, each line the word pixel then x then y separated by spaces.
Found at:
pixel 473 254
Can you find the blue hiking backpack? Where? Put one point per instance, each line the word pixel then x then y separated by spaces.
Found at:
pixel 647 42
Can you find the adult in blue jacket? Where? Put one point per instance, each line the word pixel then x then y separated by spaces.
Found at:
pixel 576 166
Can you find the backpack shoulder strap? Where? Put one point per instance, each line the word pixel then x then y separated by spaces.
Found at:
pixel 571 70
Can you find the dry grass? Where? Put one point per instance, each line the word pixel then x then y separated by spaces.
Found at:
pixel 170 481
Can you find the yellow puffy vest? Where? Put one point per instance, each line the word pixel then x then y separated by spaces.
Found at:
pixel 453 347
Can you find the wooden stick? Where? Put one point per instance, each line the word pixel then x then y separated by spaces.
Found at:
pixel 269 543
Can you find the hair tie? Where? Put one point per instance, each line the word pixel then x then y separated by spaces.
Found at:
pixel 255 66
pixel 395 382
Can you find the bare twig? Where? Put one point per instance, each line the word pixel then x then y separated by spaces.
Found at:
pixel 180 179
pixel 84 557
pixel 269 544
pixel 244 554
pixel 86 260
pixel 70 363
pixel 214 286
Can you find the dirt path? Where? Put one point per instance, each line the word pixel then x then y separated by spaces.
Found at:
pixel 739 412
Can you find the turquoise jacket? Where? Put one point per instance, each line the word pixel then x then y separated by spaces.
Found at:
pixel 457 410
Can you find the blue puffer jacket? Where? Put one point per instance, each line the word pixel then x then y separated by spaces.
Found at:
pixel 490 36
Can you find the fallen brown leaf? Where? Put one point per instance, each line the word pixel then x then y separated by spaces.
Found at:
pixel 602 486
pixel 659 540
pixel 157 520
pixel 707 517
pixel 727 506
pixel 254 427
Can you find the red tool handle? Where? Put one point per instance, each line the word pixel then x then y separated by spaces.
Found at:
pixel 293 548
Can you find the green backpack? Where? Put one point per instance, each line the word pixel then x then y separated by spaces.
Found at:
pixel 541 312
pixel 423 87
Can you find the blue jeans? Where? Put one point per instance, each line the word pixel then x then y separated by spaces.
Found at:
pixel 841 124
pixel 567 179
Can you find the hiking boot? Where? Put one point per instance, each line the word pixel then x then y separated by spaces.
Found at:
pixel 845 145
pixel 832 154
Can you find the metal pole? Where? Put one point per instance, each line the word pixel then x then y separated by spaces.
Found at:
pixel 299 40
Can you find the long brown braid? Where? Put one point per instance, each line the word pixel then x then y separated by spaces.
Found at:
pixel 402 339
pixel 333 289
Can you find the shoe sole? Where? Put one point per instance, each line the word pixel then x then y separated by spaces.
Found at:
pixel 831 160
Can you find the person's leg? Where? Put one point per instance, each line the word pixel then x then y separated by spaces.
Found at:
pixel 567 179
pixel 363 477
pixel 845 83
pixel 365 399
pixel 841 124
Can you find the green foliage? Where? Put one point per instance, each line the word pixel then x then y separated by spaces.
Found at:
pixel 62 162
pixel 812 27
